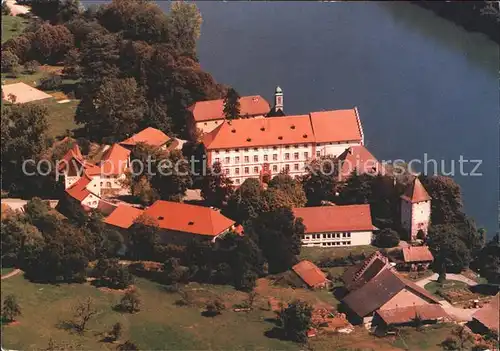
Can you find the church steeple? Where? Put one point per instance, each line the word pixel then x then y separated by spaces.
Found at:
pixel 278 100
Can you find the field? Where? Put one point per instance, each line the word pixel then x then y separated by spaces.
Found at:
pixel 9 29
pixel 161 324
pixel 433 287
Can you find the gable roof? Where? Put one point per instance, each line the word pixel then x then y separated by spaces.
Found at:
pixel 358 158
pixel 416 192
pixel 150 136
pixel 188 218
pixel 115 160
pixel 335 218
pixel 407 314
pixel 309 273
pixel 253 105
pixel 489 314
pixel 381 289
pixel 74 157
pixel 79 190
pixel 417 254
pixel 123 216
pixel 336 125
pixel 260 132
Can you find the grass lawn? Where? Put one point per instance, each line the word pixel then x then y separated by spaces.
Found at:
pixel 317 254
pixel 428 338
pixel 432 287
pixel 61 116
pixel 8 27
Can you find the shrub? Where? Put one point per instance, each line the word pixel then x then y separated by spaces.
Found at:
pixel 387 238
pixel 31 67
pixel 52 82
pixel 9 61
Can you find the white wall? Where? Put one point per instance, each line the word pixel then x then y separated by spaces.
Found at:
pixel 334 148
pixel 415 217
pixel 112 182
pixel 337 239
pixel 91 201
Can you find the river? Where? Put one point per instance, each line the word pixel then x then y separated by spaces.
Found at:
pixel 422 84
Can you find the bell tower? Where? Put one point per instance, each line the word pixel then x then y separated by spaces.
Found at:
pixel 278 100
pixel 415 210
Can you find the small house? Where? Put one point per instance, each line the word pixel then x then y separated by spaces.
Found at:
pixel 310 274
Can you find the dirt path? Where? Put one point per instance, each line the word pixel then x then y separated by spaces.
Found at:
pixel 449 276
pixel 11 274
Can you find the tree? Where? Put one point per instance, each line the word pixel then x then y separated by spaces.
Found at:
pixel 84 311
pixel 31 67
pixel 387 238
pixel 172 271
pixel 320 182
pixel 19 46
pixel 296 320
pixel 214 308
pixel 49 44
pixel 487 261
pixel 117 109
pixel 284 191
pixel 131 301
pixel 16 233
pixel 72 69
pixel 144 237
pixel 216 188
pixel 116 331
pixel 112 274
pixel 172 177
pixel 10 308
pixel 246 202
pixel 278 234
pixel 9 61
pixel 232 104
pixel 184 23
pixel 449 251
pixel 446 204
pixel 52 82
pixel 127 346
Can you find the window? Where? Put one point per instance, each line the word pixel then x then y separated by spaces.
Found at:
pixel 247 170
pixel 256 158
pixel 266 158
pixel 237 181
pixel 236 171
pixel 108 184
pixel 275 157
pixel 256 169
pixel 343 235
pixel 247 159
pixel 255 149
pixel 246 150
pixel 227 150
pixel 216 122
pixel 237 159
pixel 226 171
pixel 296 146
pixel 275 148
pixel 275 168
pixel 287 156
pixel 217 152
pixel 217 160
pixel 318 153
pixel 287 147
pixel 295 155
pixel 306 155
pixel 287 167
pixel 205 123
pixel 296 167
pixel 227 160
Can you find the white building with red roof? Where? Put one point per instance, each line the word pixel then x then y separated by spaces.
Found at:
pixel 248 148
pixel 334 226
pixel 208 115
pixel 415 210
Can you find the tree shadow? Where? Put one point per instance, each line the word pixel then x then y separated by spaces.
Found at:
pixel 209 314
pixel 68 325
pixel 275 333
pixel 485 289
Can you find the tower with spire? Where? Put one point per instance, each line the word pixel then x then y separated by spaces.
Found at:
pixel 278 100
pixel 415 210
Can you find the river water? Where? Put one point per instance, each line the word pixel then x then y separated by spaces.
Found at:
pixel 422 84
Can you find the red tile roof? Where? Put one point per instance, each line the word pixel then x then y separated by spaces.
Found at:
pixel 336 125
pixel 310 273
pixel 417 254
pixel 150 136
pixel 407 314
pixel 123 216
pixel 254 105
pixel 188 218
pixel 327 126
pixel 79 189
pixel 489 315
pixel 416 192
pixel 335 218
pixel 359 159
pixel 114 160
pixel 260 132
pixel 73 154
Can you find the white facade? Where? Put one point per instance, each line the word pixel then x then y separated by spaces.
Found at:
pixel 334 239
pixel 91 201
pixel 243 163
pixel 415 216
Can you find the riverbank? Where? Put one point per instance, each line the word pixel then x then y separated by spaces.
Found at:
pixel 475 16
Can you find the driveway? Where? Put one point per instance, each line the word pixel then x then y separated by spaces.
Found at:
pixel 460 314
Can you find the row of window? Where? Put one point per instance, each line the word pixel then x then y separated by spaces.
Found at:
pixel 338 243
pixel 246 170
pixel 296 156
pixel 264 148
pixel 327 236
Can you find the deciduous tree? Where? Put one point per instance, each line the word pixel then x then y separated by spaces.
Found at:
pixel 10 308
pixel 216 187
pixel 131 301
pixel 296 320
